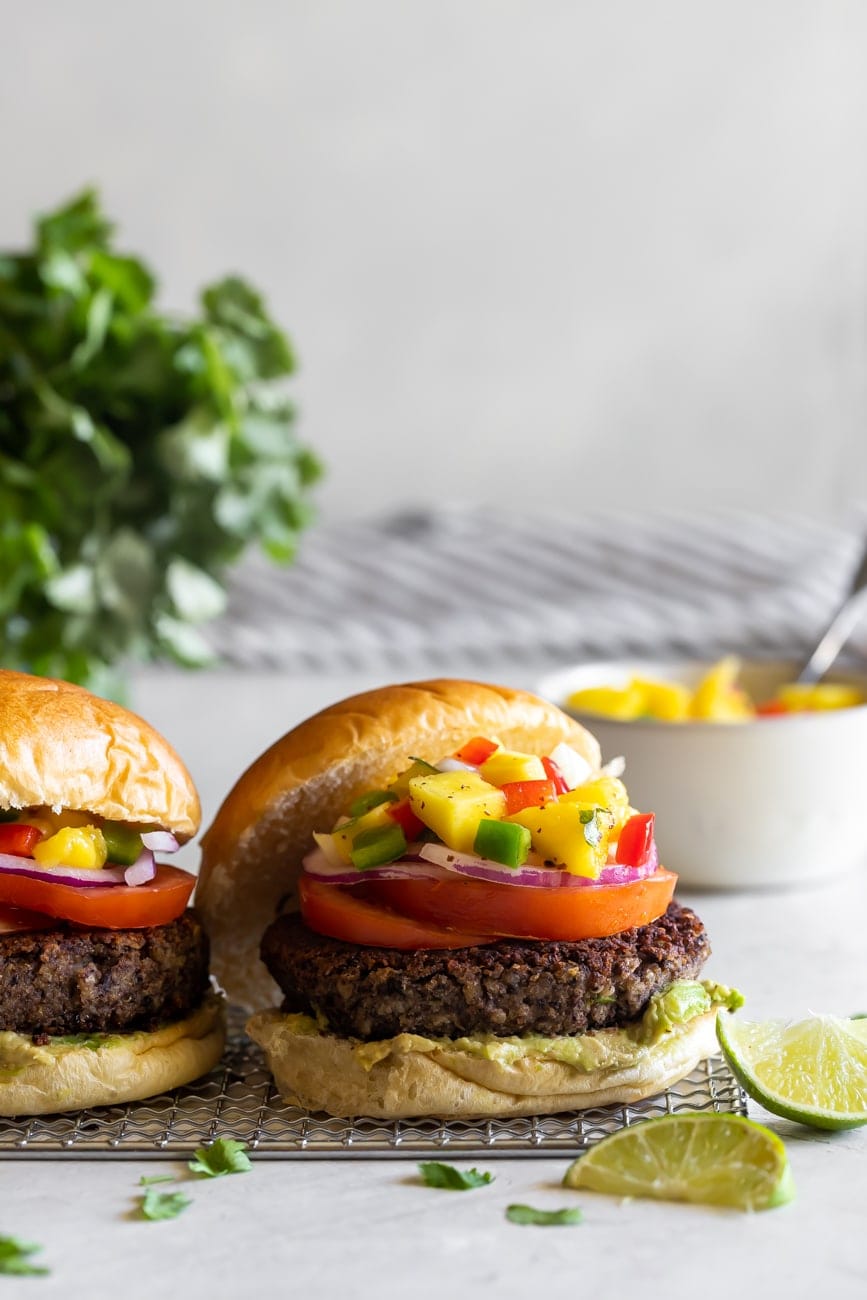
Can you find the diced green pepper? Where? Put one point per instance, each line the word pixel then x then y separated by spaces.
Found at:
pixel 123 845
pixel 504 842
pixel 400 784
pixel 372 799
pixel 376 846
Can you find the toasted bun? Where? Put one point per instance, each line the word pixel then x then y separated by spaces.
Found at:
pixel 129 1067
pixel 251 855
pixel 322 1072
pixel 60 746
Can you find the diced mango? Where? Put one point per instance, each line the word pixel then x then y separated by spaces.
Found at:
pixel 399 784
pixel 623 702
pixel 604 792
pixel 823 695
pixel 667 701
pixel 569 834
pixel 509 765
pixel 74 846
pixel 452 804
pixel 717 698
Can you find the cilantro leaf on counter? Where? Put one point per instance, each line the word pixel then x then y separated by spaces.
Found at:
pixel 141 452
pixel 526 1214
pixel 436 1174
pixel 15 1258
pixel 163 1205
pixel 223 1156
pixel 146 1181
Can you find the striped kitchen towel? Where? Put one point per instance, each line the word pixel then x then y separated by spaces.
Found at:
pixel 434 591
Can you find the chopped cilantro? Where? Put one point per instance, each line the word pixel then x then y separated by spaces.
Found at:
pixel 436 1174
pixel 592 829
pixel 15 1261
pixel 163 1205
pixel 223 1156
pixel 526 1214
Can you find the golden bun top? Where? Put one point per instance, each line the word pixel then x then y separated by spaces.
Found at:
pixel 61 746
pixel 251 855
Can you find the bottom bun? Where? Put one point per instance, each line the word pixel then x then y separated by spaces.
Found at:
pixel 108 1069
pixel 412 1076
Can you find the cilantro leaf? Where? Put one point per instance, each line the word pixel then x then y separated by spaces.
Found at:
pixel 163 1205
pixel 15 1258
pixel 526 1214
pixel 145 1181
pixel 223 1156
pixel 436 1174
pixel 140 453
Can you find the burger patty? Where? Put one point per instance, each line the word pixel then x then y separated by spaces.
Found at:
pixel 71 981
pixel 516 986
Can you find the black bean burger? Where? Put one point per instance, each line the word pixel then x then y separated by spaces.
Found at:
pixel 104 984
pixel 458 912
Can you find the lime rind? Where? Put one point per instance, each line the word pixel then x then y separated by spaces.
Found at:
pixel 709 1159
pixel 812 1071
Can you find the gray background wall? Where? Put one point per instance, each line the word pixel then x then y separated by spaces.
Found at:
pixel 539 253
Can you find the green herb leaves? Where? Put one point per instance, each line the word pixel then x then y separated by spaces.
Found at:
pixel 163 1205
pixel 436 1174
pixel 526 1214
pixel 140 454
pixel 15 1258
pixel 224 1156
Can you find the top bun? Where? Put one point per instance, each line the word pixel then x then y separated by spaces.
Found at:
pixel 62 747
pixel 251 855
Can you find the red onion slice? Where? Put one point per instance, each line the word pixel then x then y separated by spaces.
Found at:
pixel 142 870
pixel 160 841
pixel 529 876
pixel 406 868
pixel 63 875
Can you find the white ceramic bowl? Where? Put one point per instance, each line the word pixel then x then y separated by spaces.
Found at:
pixel 773 803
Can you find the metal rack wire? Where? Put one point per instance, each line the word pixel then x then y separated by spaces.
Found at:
pixel 238 1100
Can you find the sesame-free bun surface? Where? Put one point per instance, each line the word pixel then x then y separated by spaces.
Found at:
pixel 321 1071
pixel 251 855
pixel 61 746
pixel 127 1067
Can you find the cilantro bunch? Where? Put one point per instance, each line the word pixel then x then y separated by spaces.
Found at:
pixel 139 454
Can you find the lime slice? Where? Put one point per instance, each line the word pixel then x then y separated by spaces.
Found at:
pixel 709 1158
pixel 813 1071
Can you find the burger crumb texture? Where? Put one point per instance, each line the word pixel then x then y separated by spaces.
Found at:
pixel 515 986
pixel 70 980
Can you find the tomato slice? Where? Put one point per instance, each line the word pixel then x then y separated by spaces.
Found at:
pixel 585 912
pixel 13 920
pixel 111 907
pixel 342 912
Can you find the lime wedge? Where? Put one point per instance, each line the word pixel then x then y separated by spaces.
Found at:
pixel 813 1071
pixel 709 1158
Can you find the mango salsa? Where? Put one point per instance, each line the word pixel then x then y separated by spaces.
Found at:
pixel 569 834
pixel 452 804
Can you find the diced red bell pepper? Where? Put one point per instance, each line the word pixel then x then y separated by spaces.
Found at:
pixel 19 840
pixel 553 773
pixel 406 819
pixel 636 840
pixel 476 751
pixel 527 794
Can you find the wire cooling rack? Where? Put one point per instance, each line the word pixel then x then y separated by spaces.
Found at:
pixel 238 1100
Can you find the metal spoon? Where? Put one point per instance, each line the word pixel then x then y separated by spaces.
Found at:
pixel 841 627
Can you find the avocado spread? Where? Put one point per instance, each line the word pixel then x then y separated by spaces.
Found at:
pixel 599 1049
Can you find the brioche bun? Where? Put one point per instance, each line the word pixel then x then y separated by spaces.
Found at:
pixel 251 855
pixel 126 1067
pixel 62 747
pixel 325 1072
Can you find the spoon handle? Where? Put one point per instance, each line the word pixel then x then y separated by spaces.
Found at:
pixel 841 627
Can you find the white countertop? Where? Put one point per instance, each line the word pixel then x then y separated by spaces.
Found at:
pixel 369 1228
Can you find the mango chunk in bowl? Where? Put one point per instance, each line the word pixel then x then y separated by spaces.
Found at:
pixel 773 800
